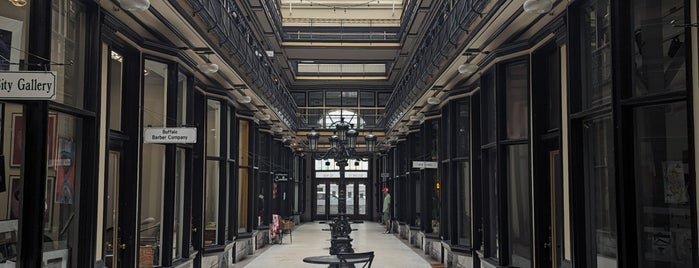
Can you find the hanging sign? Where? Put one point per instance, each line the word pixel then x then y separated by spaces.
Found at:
pixel 27 85
pixel 170 135
pixel 424 164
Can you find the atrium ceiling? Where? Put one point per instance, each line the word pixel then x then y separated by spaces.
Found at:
pixel 411 49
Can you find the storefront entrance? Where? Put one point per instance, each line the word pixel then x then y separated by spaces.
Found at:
pixel 328 202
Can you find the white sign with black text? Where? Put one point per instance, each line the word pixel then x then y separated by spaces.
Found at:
pixel 170 135
pixel 27 85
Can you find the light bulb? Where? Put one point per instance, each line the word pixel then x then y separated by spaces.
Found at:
pixel 19 3
pixel 134 5
pixel 468 68
pixel 433 100
pixel 537 6
pixel 245 99
pixel 208 68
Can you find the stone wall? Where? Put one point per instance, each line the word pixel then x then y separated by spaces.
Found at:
pixel 243 248
pixel 219 259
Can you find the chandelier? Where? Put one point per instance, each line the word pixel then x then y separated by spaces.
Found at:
pixel 343 144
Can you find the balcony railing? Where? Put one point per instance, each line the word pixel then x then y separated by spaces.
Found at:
pixel 438 47
pixel 223 19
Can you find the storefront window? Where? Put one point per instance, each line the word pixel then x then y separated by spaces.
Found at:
pixel 659 47
pixel 435 193
pixel 663 185
pixel 68 50
pixel 211 183
pixel 596 54
pixel 153 161
pixel 598 151
pixel 488 114
pixel 115 68
pixel 520 221
pixel 62 185
pixel 517 100
pixel 493 219
pixel 463 176
pixel 461 129
pixel 243 175
pixel 13 126
pixel 180 171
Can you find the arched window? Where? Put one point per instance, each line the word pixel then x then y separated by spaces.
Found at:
pixel 334 116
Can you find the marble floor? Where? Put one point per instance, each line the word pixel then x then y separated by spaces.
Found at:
pixel 310 240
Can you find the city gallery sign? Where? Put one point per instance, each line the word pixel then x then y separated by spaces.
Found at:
pixel 27 85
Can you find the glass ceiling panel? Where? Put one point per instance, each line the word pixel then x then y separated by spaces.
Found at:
pixel 341 13
pixel 352 68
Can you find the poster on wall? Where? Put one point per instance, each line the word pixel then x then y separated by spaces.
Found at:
pixel 65 171
pixel 674 184
pixel 10 42
pixel 18 138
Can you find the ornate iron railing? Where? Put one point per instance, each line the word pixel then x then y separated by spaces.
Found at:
pixel 223 19
pixel 438 47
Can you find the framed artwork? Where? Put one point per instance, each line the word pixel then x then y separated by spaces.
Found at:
pixel 16 153
pixel 65 171
pixel 52 147
pixel 674 183
pixel 18 136
pixel 10 42
pixel 48 202
pixel 15 195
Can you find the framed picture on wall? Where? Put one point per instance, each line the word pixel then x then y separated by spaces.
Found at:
pixel 65 171
pixel 48 203
pixel 10 43
pixel 18 136
pixel 14 196
pixel 16 153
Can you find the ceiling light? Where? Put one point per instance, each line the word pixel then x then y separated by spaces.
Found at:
pixel 208 68
pixel 537 6
pixel 468 68
pixel 433 100
pixel 134 5
pixel 244 99
pixel 19 3
pixel 263 117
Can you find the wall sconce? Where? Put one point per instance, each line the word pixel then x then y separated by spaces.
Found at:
pixel 134 5
pixel 244 99
pixel 18 3
pixel 467 68
pixel 537 6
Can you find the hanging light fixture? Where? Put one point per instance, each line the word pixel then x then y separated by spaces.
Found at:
pixel 343 144
pixel 433 100
pixel 244 99
pixel 467 68
pixel 18 3
pixel 537 6
pixel 134 5
pixel 208 67
pixel 313 138
pixel 370 140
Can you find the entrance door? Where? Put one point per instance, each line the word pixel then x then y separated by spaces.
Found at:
pixel 112 243
pixel 329 193
pixel 555 229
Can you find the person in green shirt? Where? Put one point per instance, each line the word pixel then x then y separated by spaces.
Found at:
pixel 386 209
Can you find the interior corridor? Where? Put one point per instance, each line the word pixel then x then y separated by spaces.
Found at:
pixel 310 240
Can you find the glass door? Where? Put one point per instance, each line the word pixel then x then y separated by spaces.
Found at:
pixel 112 242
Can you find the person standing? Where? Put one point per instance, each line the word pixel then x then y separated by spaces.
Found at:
pixel 386 209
